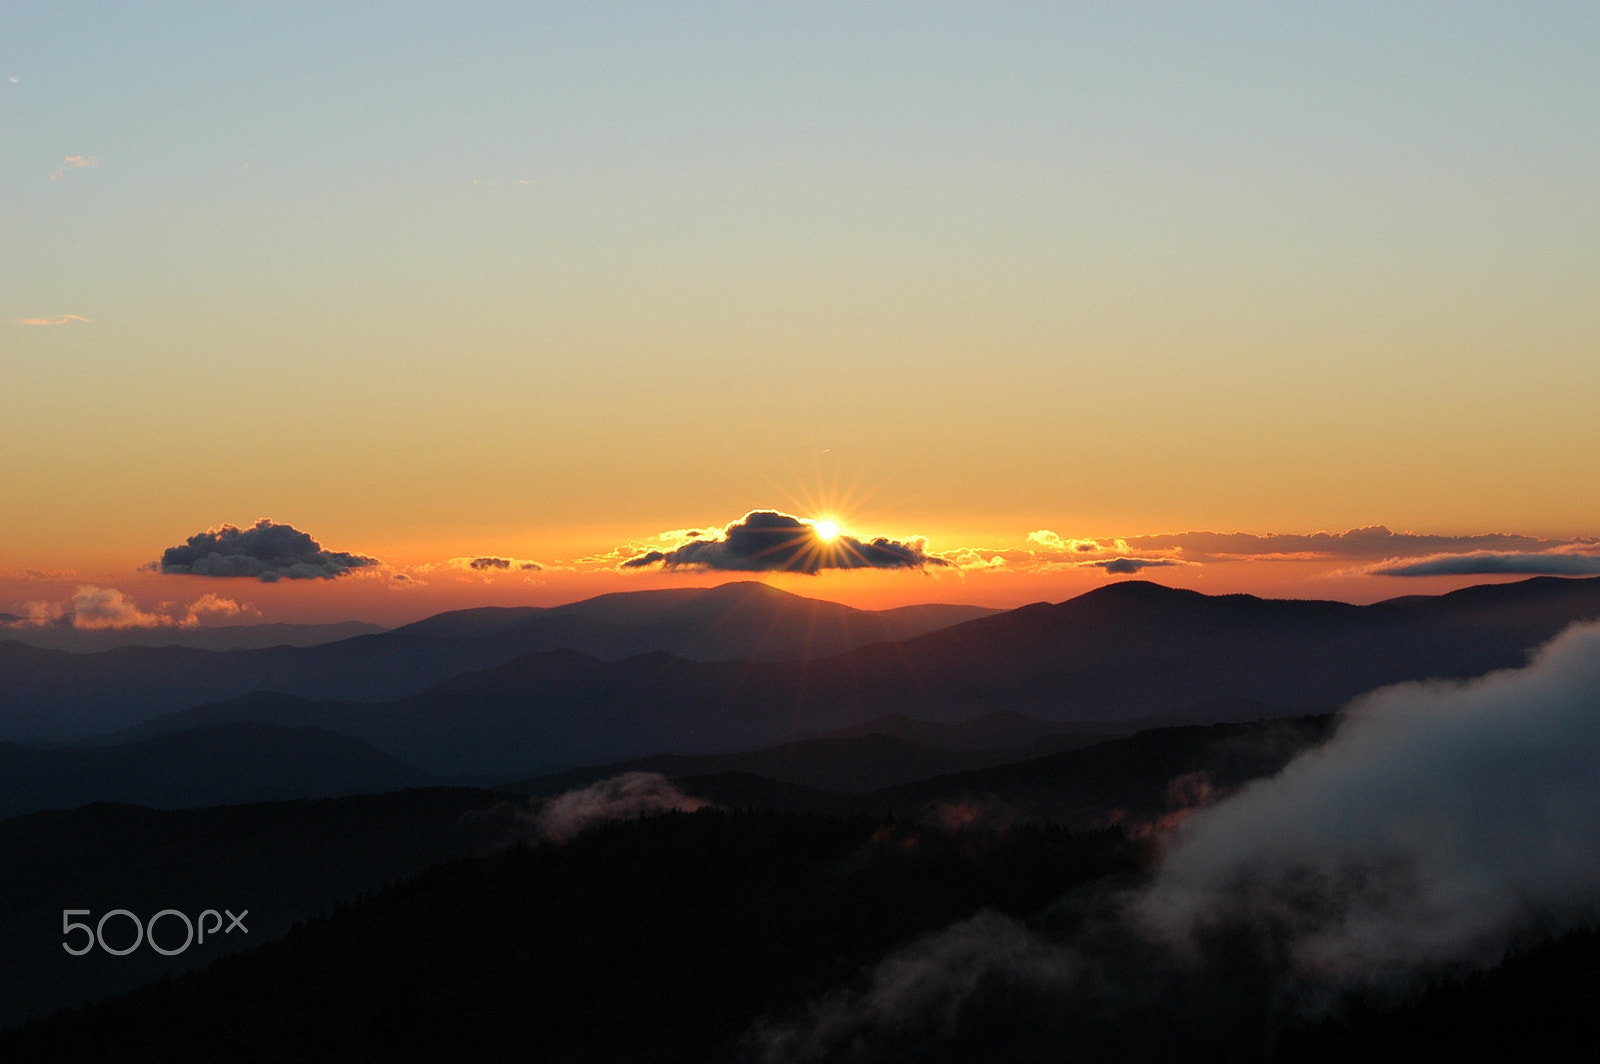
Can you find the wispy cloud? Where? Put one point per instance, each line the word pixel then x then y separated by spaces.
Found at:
pixel 65 319
pixel 1485 563
pixel 38 575
pixel 1374 549
pixel 75 162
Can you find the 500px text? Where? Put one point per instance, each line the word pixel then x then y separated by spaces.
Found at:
pixel 144 932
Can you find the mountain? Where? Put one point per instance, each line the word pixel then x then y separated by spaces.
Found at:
pixel 285 862
pixel 51 695
pixel 735 936
pixel 1127 653
pixel 222 637
pixel 215 765
pixel 1143 781
pixel 1148 778
pixel 866 762
pixel 663 939
pixel 749 620
pixel 992 731
pixel 1536 1004
pixel 1137 649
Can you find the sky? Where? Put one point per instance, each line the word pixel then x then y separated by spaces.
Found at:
pixel 559 284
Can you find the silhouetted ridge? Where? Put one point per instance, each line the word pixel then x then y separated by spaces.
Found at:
pixel 53 697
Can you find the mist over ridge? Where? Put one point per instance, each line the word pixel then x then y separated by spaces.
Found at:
pixel 1444 822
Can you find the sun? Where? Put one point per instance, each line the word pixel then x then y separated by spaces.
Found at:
pixel 825 530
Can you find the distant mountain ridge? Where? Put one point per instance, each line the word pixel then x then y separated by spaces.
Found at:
pixel 51 695
pixel 1127 652
pixel 219 637
pixel 220 764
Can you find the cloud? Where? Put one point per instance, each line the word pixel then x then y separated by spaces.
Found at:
pixel 209 606
pixel 1375 542
pixel 265 551
pixel 494 564
pixel 65 319
pixel 769 541
pixel 75 162
pixel 625 797
pixel 1484 563
pixel 1045 550
pixel 914 1000
pixel 1131 565
pixel 1441 824
pixel 1440 820
pixel 92 608
pixel 95 607
pixel 1048 540
pixel 41 575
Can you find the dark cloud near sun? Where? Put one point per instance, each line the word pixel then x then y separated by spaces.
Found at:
pixel 266 551
pixel 769 541
pixel 1485 563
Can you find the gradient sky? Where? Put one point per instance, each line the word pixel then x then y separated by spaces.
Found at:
pixel 539 281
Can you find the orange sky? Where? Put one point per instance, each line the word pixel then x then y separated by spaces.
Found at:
pixel 545 282
pixel 1040 567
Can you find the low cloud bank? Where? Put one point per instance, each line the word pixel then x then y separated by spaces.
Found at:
pixel 266 551
pixel 97 608
pixel 1442 823
pixel 1440 820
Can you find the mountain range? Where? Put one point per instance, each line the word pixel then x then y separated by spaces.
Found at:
pixel 53 695
pixel 217 637
pixel 1128 653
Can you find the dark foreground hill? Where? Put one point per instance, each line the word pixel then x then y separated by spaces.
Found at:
pixel 658 940
pixel 715 937
pixel 283 861
pixel 54 695
pixel 847 763
pixel 287 861
pixel 1537 1004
